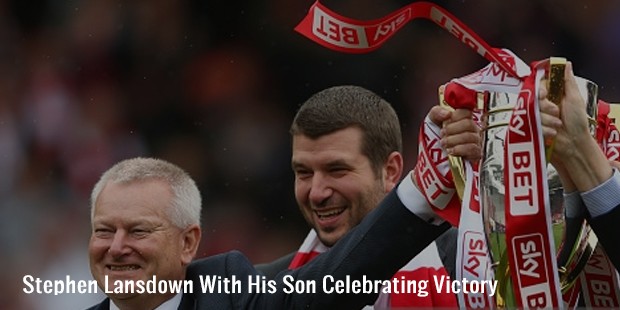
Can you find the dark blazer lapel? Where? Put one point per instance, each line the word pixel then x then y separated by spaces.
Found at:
pixel 104 305
pixel 188 302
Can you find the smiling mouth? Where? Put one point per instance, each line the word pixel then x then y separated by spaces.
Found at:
pixel 327 214
pixel 123 267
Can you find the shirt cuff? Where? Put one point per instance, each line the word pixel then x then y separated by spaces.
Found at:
pixel 603 198
pixel 413 200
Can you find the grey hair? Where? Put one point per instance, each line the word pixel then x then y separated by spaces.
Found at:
pixel 186 202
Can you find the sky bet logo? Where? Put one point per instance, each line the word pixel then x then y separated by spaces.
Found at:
pixel 475 267
pixel 613 145
pixel 532 271
pixel 522 182
pixel 343 34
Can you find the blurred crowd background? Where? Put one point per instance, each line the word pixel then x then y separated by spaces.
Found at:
pixel 213 86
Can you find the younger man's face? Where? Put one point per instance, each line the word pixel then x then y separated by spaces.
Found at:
pixel 335 185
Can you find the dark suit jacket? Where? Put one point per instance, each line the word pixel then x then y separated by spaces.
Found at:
pixel 385 240
pixel 188 302
pixel 606 228
pixel 272 268
pixel 446 248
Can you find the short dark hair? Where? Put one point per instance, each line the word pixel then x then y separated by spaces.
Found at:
pixel 340 107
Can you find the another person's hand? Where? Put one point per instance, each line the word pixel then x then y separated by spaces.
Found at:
pixel 568 122
pixel 551 124
pixel 574 146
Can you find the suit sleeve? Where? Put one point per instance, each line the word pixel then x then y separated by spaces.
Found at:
pixel 271 269
pixel 607 229
pixel 386 240
pixel 603 203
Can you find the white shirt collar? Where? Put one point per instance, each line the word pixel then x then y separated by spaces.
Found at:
pixel 170 304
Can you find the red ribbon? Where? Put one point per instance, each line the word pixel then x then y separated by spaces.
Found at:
pixel 460 97
pixel 348 35
pixel 530 249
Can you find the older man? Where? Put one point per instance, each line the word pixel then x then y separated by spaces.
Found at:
pixel 145 223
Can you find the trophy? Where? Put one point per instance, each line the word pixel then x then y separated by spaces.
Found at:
pixel 572 237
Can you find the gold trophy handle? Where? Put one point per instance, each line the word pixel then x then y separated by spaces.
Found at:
pixel 555 90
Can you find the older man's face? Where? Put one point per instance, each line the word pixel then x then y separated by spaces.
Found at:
pixel 133 237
